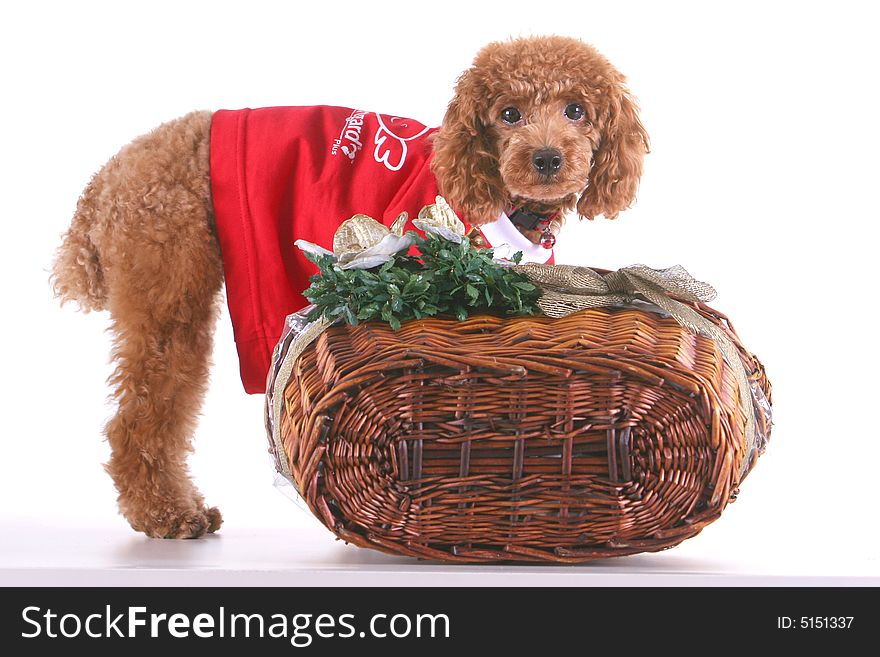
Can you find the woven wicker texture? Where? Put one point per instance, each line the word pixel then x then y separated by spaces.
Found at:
pixel 608 432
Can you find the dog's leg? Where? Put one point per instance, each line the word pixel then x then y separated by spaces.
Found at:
pixel 162 372
pixel 163 278
pixel 142 245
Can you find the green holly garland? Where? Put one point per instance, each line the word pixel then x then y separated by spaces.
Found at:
pixel 447 278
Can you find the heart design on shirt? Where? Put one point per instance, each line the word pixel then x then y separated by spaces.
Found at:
pixel 391 140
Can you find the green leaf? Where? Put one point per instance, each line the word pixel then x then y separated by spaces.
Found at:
pixel 349 316
pixel 368 311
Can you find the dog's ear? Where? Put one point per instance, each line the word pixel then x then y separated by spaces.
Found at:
pixel 617 163
pixel 465 159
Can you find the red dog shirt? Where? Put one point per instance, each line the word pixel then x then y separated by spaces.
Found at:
pixel 280 174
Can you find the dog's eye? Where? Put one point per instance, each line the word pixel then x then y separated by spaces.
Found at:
pixel 574 111
pixel 511 115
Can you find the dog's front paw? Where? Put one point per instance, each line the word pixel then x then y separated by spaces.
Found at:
pixel 173 523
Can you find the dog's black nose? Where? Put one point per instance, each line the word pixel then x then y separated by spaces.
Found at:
pixel 547 161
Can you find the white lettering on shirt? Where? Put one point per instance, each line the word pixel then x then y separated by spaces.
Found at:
pixel 390 141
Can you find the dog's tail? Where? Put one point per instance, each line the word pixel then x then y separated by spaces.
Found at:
pixel 76 273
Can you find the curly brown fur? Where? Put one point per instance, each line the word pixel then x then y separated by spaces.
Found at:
pixel 142 243
pixel 484 165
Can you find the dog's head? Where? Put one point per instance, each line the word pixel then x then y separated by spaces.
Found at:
pixel 545 123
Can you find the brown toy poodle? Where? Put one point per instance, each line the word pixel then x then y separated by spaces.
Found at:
pixel 537 127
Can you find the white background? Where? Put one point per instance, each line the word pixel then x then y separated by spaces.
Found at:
pixel 763 118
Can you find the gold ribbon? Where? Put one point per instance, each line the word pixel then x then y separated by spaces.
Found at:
pixel 567 289
pixel 362 242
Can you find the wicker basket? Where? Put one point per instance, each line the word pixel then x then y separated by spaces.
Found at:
pixel 608 432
